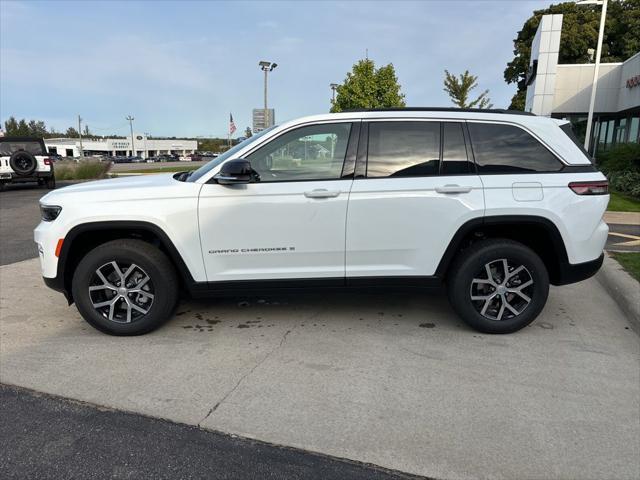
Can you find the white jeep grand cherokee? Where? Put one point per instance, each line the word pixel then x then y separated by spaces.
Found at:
pixel 494 204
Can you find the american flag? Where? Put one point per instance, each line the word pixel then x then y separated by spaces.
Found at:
pixel 232 126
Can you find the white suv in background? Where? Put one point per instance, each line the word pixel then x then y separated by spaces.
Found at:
pixel 496 205
pixel 25 160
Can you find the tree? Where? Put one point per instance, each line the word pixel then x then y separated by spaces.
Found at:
pixel 580 26
pixel 23 129
pixel 11 127
pixel 460 87
pixel 368 87
pixel 247 132
pixel 71 132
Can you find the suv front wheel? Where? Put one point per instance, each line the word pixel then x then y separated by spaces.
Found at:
pixel 498 286
pixel 125 287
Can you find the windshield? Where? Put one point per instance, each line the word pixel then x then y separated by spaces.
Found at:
pixel 207 167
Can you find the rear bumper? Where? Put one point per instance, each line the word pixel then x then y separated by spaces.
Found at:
pixel 15 178
pixel 576 272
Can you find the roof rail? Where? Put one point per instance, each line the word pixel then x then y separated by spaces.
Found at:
pixel 441 109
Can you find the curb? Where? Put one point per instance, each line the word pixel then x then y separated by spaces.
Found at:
pixel 623 288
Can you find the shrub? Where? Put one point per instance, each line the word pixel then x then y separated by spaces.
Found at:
pixel 81 170
pixel 622 157
pixel 625 182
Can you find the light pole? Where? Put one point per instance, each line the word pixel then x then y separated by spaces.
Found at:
pixel 130 119
pixel 596 69
pixel 333 92
pixel 266 67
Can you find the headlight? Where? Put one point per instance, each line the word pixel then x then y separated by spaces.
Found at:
pixel 49 212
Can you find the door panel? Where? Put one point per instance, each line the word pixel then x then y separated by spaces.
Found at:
pixel 273 230
pixel 290 222
pixel 402 226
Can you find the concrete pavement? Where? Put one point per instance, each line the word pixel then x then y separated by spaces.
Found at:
pixel 397 381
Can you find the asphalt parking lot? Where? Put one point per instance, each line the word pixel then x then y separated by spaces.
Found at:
pixel 391 380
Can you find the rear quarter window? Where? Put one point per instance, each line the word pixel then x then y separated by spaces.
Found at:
pixel 500 148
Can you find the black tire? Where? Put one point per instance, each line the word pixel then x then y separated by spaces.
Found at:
pixel 466 278
pixel 50 182
pixel 151 262
pixel 23 163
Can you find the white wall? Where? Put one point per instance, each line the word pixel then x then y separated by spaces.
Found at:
pixel 545 48
pixel 573 88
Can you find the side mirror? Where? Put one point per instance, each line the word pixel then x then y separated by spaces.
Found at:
pixel 234 172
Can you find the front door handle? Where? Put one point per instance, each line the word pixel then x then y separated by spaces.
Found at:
pixel 454 189
pixel 322 193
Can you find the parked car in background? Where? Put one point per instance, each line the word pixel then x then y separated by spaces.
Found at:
pixel 137 159
pixel 25 160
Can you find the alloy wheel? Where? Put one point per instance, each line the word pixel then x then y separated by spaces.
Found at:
pixel 121 293
pixel 502 290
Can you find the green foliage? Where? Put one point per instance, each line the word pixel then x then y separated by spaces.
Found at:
pixel 82 170
pixel 37 128
pixel 623 203
pixel 368 87
pixel 579 32
pixel 460 87
pixel 621 157
pixel 212 144
pixel 72 133
pixel 626 182
pixel 630 261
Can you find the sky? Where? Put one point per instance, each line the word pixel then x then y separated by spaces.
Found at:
pixel 180 67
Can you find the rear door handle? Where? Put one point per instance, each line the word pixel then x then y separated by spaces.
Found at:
pixel 322 193
pixel 453 189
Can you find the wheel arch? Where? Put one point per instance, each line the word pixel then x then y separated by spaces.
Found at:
pixel 538 233
pixel 84 237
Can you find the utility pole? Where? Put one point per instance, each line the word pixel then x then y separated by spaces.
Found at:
pixel 81 151
pixel 130 119
pixel 596 69
pixel 266 68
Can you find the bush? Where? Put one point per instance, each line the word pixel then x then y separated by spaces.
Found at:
pixel 620 158
pixel 625 182
pixel 81 170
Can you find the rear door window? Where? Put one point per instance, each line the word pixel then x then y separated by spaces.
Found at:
pixel 500 148
pixel 403 149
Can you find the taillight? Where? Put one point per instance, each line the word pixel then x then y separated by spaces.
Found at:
pixel 48 161
pixel 600 187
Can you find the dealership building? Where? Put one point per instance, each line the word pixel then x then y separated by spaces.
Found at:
pixel 564 91
pixel 111 147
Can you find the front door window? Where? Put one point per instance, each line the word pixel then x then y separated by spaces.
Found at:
pixel 315 152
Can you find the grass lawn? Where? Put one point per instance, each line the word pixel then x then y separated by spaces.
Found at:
pixel 173 168
pixel 623 203
pixel 630 261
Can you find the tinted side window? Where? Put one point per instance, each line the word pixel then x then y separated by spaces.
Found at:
pixel 508 149
pixel 454 151
pixel 315 152
pixel 403 149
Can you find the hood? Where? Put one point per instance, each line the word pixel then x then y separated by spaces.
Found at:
pixel 140 187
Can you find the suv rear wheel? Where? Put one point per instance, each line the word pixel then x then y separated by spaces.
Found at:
pixel 125 287
pixel 498 286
